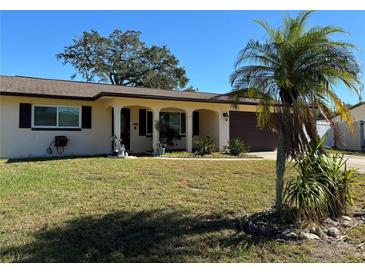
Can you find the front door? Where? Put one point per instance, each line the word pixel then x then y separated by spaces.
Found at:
pixel 125 127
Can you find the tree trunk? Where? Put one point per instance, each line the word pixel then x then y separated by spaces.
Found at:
pixel 280 170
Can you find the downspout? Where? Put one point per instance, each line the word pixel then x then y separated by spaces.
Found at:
pixel 362 137
pixel 112 128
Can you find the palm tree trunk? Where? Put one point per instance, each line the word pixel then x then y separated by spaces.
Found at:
pixel 280 169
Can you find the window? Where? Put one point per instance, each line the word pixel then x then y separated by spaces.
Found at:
pixel 45 116
pixel 174 120
pixel 56 116
pixel 68 116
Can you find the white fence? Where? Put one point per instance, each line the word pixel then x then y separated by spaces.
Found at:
pixel 344 139
pixel 323 128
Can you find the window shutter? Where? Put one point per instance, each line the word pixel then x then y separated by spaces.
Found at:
pixel 149 122
pixel 183 123
pixel 142 122
pixel 25 115
pixel 86 117
pixel 195 123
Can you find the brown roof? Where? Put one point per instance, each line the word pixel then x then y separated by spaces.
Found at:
pixel 357 105
pixel 40 87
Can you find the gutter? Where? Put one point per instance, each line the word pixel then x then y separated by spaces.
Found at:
pixel 19 94
pixel 122 95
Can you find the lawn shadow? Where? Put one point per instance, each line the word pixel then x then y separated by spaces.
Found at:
pixel 52 158
pixel 58 157
pixel 147 236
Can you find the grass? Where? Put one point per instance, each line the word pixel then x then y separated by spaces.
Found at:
pixel 348 152
pixel 139 210
pixel 357 235
pixel 215 155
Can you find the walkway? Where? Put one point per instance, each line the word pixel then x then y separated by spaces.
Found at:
pixel 353 161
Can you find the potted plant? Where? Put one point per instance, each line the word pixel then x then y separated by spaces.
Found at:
pixel 162 147
pixel 168 136
pixel 118 148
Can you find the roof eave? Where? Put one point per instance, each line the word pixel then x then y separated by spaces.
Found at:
pixel 123 95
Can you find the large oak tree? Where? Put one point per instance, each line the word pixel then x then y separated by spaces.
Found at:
pixel 123 59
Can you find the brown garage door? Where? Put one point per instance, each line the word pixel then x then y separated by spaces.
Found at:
pixel 243 125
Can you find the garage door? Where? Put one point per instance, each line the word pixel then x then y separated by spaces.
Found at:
pixel 243 125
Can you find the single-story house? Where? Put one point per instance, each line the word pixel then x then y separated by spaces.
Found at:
pixel 347 140
pixel 35 110
pixel 343 138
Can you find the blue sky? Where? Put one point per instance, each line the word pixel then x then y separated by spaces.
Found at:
pixel 205 42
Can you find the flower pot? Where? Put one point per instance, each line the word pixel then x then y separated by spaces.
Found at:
pixel 162 151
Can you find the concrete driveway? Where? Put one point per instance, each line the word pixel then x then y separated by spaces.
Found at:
pixel 357 162
pixel 354 161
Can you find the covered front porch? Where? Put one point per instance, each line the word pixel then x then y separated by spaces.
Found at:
pixel 135 125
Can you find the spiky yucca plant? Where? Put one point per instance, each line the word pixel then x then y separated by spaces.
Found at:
pixel 204 145
pixel 323 186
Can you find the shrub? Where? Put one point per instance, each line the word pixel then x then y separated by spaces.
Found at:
pixel 168 135
pixel 340 185
pixel 235 147
pixel 205 146
pixel 322 187
pixel 306 196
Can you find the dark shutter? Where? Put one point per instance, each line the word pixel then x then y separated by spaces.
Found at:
pixel 142 122
pixel 195 123
pixel 183 123
pixel 86 117
pixel 149 122
pixel 25 115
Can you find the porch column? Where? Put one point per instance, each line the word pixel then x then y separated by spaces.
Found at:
pixel 155 133
pixel 116 111
pixel 189 131
pixel 223 129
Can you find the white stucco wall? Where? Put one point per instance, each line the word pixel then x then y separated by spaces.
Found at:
pixel 224 130
pixel 358 113
pixel 188 108
pixel 18 142
pixel 348 140
pixel 208 125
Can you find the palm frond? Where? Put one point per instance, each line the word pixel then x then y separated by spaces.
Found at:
pixel 272 32
pixel 299 68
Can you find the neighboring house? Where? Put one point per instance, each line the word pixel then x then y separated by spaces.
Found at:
pixel 33 111
pixel 344 138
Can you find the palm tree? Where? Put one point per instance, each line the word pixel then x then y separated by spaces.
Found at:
pixel 293 74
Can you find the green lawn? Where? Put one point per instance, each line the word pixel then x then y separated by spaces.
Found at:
pixel 140 210
pixel 215 155
pixel 348 152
